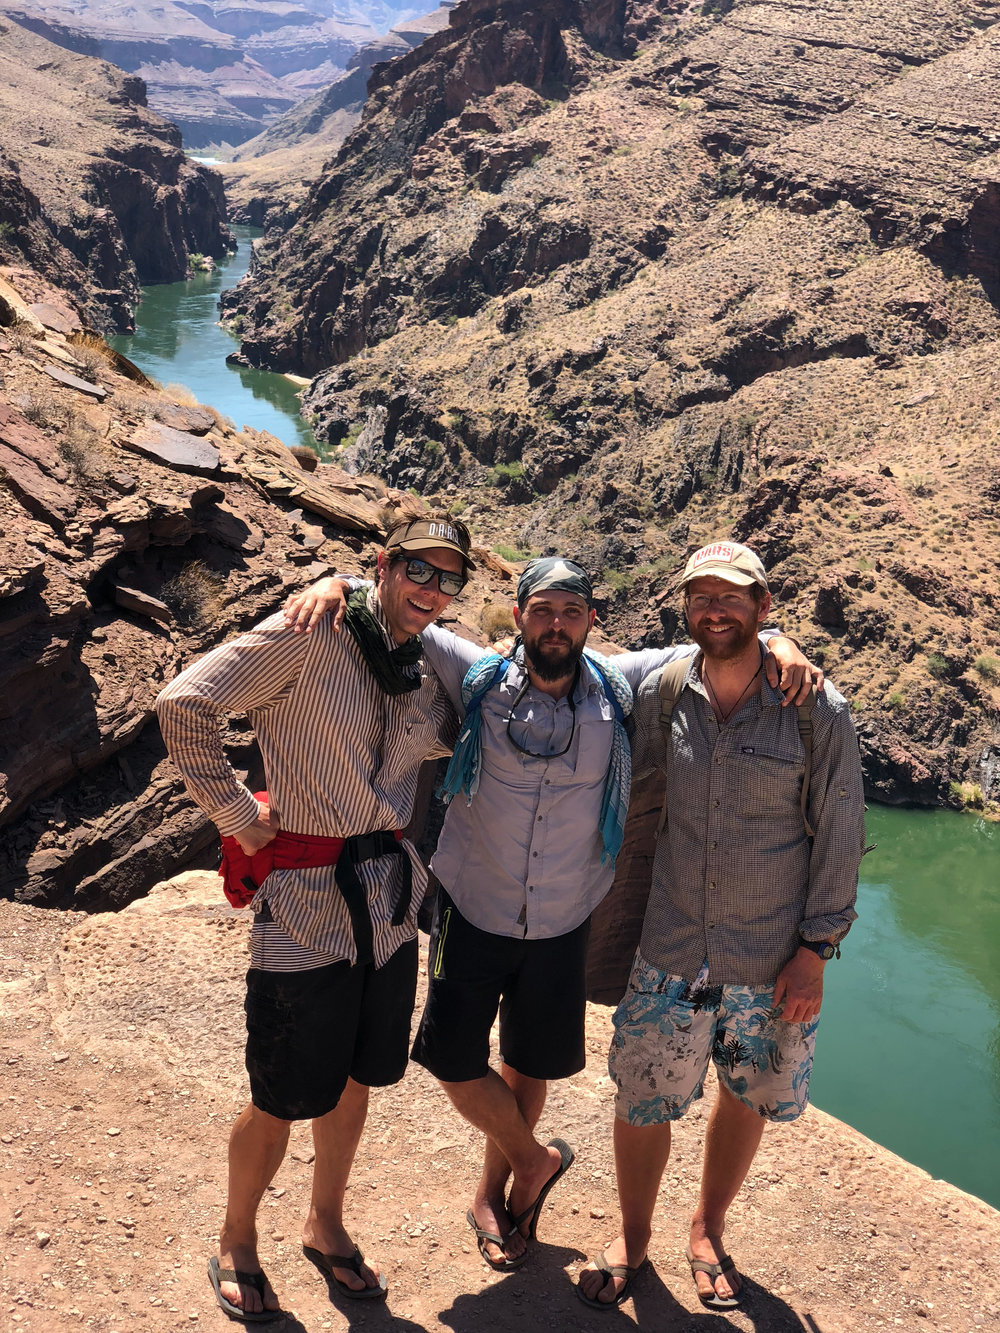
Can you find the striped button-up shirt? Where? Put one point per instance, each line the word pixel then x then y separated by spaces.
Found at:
pixel 735 878
pixel 341 758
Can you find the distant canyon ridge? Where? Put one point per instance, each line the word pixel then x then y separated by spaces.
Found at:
pixel 221 70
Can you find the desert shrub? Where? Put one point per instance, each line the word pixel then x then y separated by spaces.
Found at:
pixel 496 622
pixel 79 446
pixel 938 666
pixel 42 409
pixel 895 700
pixel 504 472
pixel 90 361
pixel 969 793
pixel 511 553
pixel 195 595
pixel 21 336
pixel 181 395
pixel 308 459
pixel 988 667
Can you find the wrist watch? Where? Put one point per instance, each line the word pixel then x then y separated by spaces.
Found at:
pixel 823 948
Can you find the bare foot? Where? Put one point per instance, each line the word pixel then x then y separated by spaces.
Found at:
pixel 243 1258
pixel 335 1240
pixel 603 1287
pixel 492 1215
pixel 709 1248
pixel 526 1189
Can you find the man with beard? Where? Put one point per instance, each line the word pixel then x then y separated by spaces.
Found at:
pixel 753 890
pixel 541 770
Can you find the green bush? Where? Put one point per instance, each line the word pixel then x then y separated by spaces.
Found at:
pixel 988 667
pixel 938 666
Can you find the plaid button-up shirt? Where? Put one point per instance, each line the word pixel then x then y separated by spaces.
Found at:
pixel 736 881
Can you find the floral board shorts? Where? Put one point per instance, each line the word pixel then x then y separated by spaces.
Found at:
pixel 667 1029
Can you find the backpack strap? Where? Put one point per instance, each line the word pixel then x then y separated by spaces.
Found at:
pixel 672 683
pixel 804 716
pixel 672 678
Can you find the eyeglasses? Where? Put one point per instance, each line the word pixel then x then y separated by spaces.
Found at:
pixel 420 572
pixel 729 601
pixel 532 754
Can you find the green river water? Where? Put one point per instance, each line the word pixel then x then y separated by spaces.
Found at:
pixel 908 1050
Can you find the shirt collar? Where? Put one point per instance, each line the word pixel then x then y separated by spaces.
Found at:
pixel 375 607
pixel 769 697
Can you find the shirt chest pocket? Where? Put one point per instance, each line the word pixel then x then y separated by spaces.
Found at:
pixel 769 779
pixel 593 751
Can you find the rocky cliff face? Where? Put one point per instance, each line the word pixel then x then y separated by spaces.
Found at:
pixel 652 275
pixel 96 192
pixel 136 531
pixel 220 72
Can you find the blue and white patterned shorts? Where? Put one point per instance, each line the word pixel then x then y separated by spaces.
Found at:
pixel 667 1029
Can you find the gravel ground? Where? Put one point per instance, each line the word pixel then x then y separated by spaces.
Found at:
pixel 121 1049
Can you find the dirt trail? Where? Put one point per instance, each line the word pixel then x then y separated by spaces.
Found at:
pixel 121 1056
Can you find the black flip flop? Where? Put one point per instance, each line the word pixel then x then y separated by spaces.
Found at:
pixel 610 1271
pixel 725 1265
pixel 484 1238
pixel 326 1263
pixel 258 1281
pixel 534 1210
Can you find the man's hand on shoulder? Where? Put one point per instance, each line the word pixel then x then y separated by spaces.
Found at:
pixel 259 833
pixel 799 987
pixel 789 670
pixel 304 610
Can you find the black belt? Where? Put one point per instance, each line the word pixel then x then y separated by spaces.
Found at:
pixel 368 847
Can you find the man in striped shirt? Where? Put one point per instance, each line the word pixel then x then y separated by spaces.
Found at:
pixel 344 721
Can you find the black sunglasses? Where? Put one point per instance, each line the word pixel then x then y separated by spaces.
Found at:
pixel 420 572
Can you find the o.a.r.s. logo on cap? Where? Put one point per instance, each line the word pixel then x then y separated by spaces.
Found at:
pixel 443 530
pixel 721 552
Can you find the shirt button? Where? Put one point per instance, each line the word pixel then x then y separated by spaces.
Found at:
pixel 712 885
pixel 714 845
pixel 547 781
pixel 534 853
pixel 718 761
pixel 539 819
pixel 716 804
pixel 531 888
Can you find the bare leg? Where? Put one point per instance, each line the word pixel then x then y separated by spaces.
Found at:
pixel 489 1205
pixel 256 1147
pixel 731 1142
pixel 492 1106
pixel 336 1136
pixel 641 1153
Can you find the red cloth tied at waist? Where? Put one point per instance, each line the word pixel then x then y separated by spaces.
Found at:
pixel 242 875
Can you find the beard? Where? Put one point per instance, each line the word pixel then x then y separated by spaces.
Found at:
pixel 552 656
pixel 734 646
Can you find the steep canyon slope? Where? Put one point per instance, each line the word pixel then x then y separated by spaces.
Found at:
pixel 95 191
pixel 219 70
pixel 619 277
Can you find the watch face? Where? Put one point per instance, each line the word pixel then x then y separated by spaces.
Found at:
pixel 826 951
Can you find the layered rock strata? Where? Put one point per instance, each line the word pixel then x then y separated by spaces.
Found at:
pixel 656 274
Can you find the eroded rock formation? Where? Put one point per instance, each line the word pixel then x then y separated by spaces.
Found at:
pixel 95 191
pixel 657 273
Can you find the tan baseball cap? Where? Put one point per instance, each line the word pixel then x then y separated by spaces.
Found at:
pixel 724 560
pixel 424 534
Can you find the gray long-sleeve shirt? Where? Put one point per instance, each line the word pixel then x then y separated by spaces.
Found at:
pixel 735 878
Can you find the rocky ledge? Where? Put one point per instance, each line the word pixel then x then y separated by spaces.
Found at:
pixel 123 1075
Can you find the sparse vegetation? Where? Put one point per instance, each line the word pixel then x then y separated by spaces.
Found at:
pixel 503 473
pixel 195 595
pixel 79 447
pixel 181 395
pixel 496 621
pixel 897 699
pixel 514 554
pixel 988 668
pixel 938 666
pixel 970 794
pixel 42 409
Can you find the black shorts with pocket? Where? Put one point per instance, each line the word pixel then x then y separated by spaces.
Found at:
pixel 308 1032
pixel 538 985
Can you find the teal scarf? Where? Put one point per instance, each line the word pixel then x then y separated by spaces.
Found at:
pixel 466 761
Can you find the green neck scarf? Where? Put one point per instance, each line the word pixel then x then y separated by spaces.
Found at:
pixel 387 665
